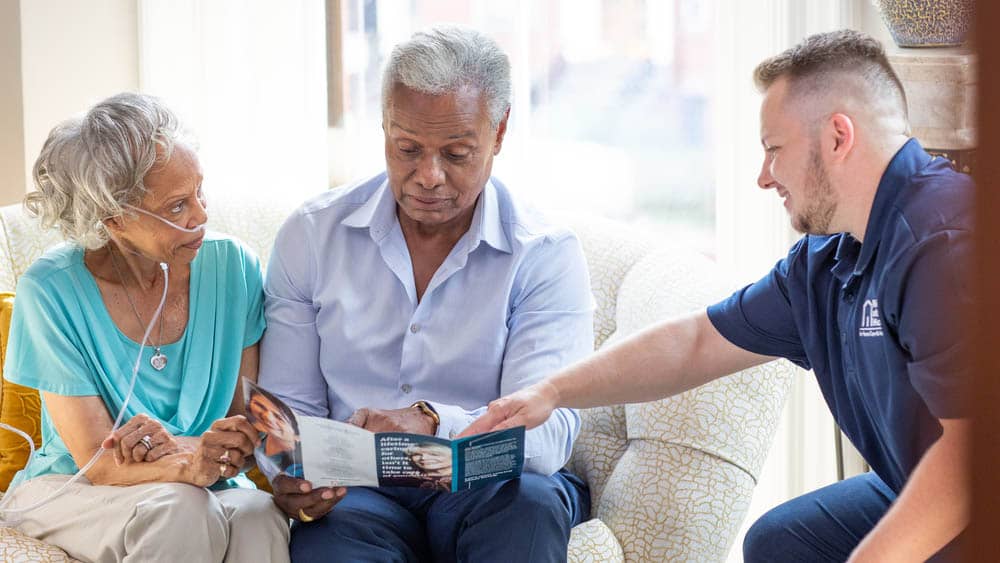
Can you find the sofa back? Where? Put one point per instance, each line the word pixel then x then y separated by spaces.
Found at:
pixel 672 479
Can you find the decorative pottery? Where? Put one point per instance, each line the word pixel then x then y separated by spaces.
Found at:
pixel 927 23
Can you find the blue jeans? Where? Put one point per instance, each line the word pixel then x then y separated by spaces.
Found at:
pixel 526 519
pixel 825 525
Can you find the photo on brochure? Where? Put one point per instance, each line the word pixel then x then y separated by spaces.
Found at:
pixel 336 454
pixel 280 450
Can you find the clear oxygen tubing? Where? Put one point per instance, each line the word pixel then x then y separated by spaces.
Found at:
pixel 194 229
pixel 4 511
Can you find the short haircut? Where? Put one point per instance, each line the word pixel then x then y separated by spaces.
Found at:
pixel 91 166
pixel 815 65
pixel 445 59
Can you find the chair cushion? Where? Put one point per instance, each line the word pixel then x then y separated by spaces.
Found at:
pixel 16 547
pixel 22 241
pixel 20 407
pixel 668 502
pixel 598 447
pixel 733 418
pixel 611 249
pixel 593 542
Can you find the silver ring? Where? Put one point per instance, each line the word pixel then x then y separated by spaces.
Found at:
pixel 146 441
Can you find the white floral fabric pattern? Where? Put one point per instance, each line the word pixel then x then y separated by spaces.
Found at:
pixel 670 480
pixel 16 547
pixel 593 542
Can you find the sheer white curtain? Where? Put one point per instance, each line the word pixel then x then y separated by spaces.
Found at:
pixel 610 102
pixel 752 228
pixel 249 77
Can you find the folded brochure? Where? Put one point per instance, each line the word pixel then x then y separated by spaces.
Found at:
pixel 331 453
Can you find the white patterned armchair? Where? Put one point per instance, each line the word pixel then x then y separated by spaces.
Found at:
pixel 670 480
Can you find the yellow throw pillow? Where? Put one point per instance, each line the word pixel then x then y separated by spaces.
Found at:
pixel 20 407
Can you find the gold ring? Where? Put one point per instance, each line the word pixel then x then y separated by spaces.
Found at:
pixel 305 517
pixel 222 469
pixel 224 458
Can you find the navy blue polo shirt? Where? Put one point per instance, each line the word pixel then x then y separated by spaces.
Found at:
pixel 879 323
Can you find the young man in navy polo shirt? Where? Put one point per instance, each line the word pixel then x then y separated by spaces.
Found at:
pixel 871 299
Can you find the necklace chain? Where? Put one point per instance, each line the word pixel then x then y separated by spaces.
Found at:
pixel 114 263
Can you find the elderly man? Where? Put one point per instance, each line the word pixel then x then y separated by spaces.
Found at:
pixel 871 299
pixel 409 301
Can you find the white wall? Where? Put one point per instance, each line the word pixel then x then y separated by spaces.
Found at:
pixel 11 108
pixel 72 54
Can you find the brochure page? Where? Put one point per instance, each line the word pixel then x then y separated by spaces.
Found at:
pixel 329 453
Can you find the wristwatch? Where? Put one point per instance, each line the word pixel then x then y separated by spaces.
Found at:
pixel 428 410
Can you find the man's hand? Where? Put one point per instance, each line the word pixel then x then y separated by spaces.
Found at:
pixel 528 407
pixel 411 420
pixel 299 500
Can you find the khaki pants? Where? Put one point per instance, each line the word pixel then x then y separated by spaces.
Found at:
pixel 153 522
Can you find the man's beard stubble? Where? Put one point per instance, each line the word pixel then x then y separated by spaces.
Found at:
pixel 816 218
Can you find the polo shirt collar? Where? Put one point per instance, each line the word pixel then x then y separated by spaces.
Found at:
pixel 846 257
pixel 909 160
pixel 378 215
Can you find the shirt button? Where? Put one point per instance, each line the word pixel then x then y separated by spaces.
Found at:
pixel 414 328
pixel 406 388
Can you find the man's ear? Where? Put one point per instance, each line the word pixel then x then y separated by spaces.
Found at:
pixel 501 131
pixel 841 131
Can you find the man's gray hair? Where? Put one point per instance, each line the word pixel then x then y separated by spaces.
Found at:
pixel 91 166
pixel 445 59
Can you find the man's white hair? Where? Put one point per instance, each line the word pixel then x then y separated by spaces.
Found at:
pixel 445 59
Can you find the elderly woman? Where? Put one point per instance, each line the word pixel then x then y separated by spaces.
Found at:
pixel 125 188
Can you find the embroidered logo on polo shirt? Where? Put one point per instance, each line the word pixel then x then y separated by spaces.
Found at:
pixel 871 322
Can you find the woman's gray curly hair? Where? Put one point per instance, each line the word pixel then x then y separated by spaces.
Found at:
pixel 443 59
pixel 91 166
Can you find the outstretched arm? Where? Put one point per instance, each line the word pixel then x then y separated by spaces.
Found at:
pixel 663 360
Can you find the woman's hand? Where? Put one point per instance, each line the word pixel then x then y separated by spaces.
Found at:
pixel 223 450
pixel 141 439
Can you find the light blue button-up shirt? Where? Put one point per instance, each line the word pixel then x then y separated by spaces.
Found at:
pixel 510 305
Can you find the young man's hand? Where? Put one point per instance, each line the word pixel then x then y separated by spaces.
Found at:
pixel 528 407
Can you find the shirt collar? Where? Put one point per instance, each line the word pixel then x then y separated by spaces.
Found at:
pixel 846 257
pixel 490 222
pixel 909 160
pixel 378 215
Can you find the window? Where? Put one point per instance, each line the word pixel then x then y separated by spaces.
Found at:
pixel 612 101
